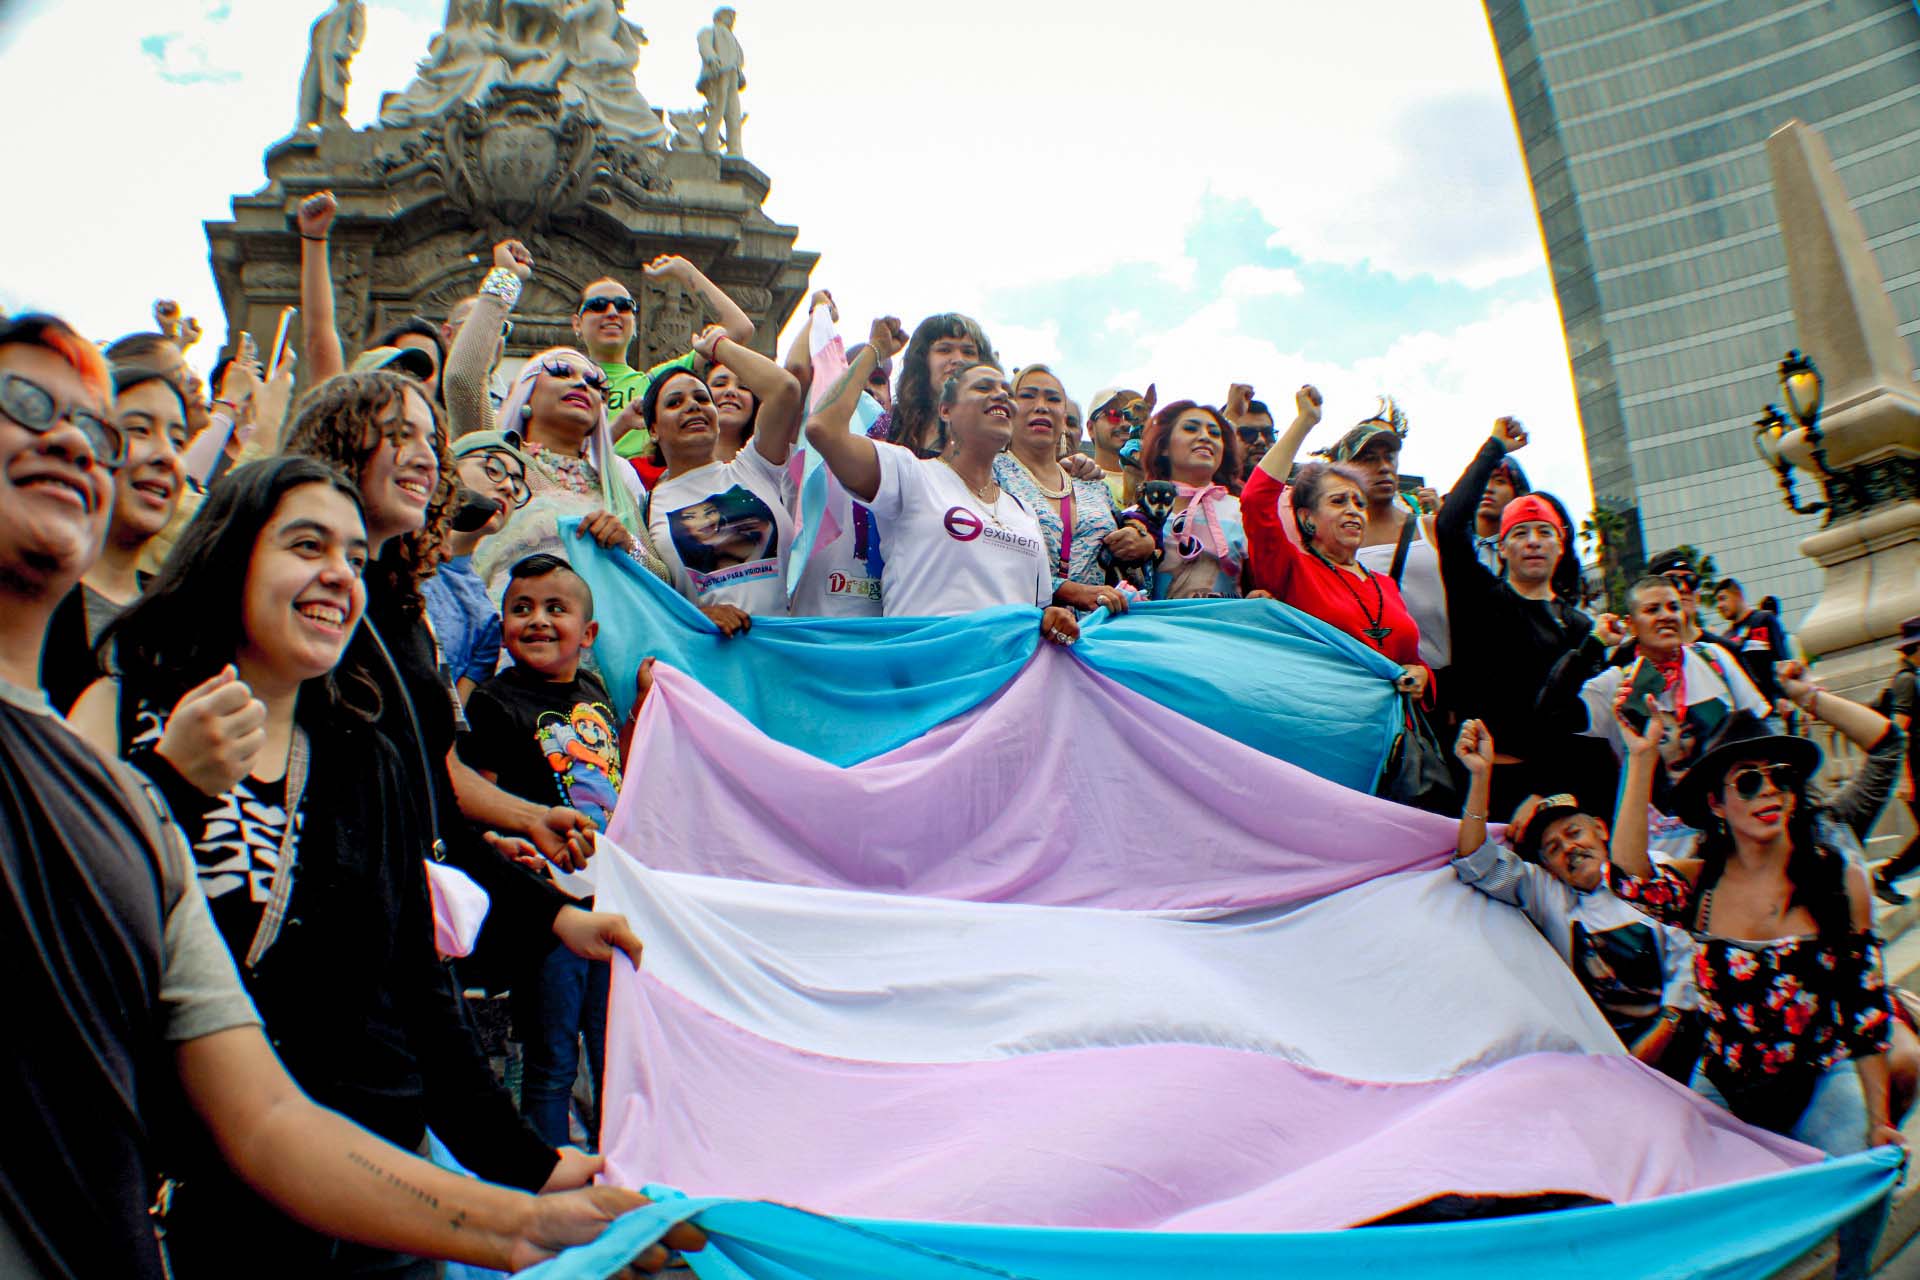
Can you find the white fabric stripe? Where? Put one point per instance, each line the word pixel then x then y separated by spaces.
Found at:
pixel 1409 977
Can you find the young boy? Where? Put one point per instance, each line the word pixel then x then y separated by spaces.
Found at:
pixel 544 729
pixel 1638 971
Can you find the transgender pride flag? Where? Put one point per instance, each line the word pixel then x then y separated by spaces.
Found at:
pixel 1069 984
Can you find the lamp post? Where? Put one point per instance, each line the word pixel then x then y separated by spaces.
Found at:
pixel 1803 390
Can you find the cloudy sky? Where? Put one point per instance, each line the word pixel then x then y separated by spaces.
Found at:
pixel 1271 191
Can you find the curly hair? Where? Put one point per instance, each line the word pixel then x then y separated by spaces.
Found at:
pixel 1154 442
pixel 342 422
pixel 916 410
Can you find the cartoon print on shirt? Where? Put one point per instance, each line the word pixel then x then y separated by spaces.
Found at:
pixel 584 753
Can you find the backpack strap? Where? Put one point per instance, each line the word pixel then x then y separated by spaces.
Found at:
pixel 1405 545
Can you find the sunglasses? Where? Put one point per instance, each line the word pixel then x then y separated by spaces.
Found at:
pixel 1682 579
pixel 596 305
pixel 501 470
pixel 33 407
pixel 1253 435
pixel 565 371
pixel 1748 779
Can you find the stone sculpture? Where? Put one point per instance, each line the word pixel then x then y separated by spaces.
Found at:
pixel 722 78
pixel 584 49
pixel 335 38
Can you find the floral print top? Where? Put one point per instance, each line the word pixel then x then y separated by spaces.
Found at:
pixel 1794 1004
pixel 1094 518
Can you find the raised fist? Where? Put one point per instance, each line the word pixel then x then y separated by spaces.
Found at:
pixel 1307 403
pixel 1511 433
pixel 511 255
pixel 316 215
pixel 887 337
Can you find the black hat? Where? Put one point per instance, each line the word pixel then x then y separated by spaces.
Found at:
pixel 1669 561
pixel 1550 809
pixel 1741 736
pixel 1909 636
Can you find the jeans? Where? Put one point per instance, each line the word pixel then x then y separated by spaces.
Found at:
pixel 554 1006
pixel 1836 1122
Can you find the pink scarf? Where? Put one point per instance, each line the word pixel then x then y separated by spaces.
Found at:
pixel 1206 535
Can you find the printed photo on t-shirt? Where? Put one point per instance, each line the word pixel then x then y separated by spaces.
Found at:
pixel 584 753
pixel 724 531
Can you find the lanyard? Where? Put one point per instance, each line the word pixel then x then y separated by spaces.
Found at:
pixel 1066 530
pixel 268 930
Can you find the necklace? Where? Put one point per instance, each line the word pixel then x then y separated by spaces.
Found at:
pixel 989 502
pixel 1376 630
pixel 1052 494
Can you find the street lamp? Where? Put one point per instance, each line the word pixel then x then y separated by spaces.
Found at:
pixel 1800 384
pixel 1767 433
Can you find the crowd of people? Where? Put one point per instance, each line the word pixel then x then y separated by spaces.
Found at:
pixel 273 669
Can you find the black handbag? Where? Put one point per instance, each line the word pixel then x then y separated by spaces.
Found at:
pixel 1419 769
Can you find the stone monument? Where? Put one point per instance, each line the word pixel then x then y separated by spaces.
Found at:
pixel 1864 448
pixel 722 77
pixel 524 120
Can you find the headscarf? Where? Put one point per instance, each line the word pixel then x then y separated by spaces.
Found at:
pixel 620 486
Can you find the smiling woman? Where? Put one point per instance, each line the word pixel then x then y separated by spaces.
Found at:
pixel 1203 545
pixel 258 726
pixel 152 416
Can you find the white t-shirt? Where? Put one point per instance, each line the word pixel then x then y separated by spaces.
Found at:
pixel 948 552
pixel 1420 587
pixel 1715 687
pixel 725 531
pixel 842 577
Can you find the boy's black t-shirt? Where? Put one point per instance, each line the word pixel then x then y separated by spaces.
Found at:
pixel 554 742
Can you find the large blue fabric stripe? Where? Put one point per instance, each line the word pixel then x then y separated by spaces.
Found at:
pixel 1743 1231
pixel 846 690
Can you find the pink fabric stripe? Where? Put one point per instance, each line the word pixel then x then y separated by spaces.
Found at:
pixel 1012 802
pixel 1151 1136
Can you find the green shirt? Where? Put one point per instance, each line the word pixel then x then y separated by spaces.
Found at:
pixel 626 385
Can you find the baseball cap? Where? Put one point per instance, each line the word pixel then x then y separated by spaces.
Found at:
pixel 483 441
pixel 407 360
pixel 1525 509
pixel 1389 419
pixel 1550 810
pixel 1669 562
pixel 1909 636
pixel 1104 398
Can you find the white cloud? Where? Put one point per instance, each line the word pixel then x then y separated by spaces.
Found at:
pixel 1027 344
pixel 1249 281
pixel 936 158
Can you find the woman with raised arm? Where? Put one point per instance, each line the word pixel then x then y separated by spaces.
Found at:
pixel 322 354
pixel 1321 574
pixel 1799 1019
pixel 723 525
pixel 1077 517
pixel 956 541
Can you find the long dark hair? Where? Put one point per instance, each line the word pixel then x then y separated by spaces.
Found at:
pixel 1817 872
pixel 650 405
pixel 916 403
pixel 190 621
pixel 341 422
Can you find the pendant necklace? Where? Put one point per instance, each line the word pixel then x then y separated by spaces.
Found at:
pixel 991 504
pixel 1376 630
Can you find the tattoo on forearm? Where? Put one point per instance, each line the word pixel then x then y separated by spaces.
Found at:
pixel 395 1180
pixel 840 385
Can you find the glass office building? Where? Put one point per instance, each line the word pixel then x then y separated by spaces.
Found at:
pixel 1644 124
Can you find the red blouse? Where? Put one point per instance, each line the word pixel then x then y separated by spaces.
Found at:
pixel 1313 586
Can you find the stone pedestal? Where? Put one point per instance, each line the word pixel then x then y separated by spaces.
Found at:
pixel 1869 427
pixel 421 207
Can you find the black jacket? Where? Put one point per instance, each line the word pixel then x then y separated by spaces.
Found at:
pixel 1503 643
pixel 352 995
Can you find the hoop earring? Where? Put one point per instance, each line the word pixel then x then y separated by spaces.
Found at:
pixel 1306 528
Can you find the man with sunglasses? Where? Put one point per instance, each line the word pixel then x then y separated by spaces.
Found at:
pixel 126 996
pixel 1253 422
pixel 606 322
pixel 466 626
